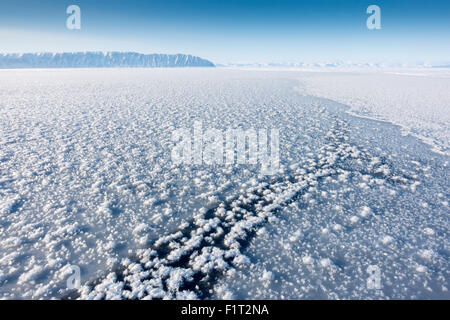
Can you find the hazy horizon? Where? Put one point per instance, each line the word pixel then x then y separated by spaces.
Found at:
pixel 234 31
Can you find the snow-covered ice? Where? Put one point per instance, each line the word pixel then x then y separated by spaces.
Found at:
pixel 87 180
pixel 416 99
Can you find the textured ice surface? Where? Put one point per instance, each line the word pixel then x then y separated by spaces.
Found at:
pixel 87 179
pixel 417 99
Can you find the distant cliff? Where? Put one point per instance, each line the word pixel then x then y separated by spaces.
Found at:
pixel 99 60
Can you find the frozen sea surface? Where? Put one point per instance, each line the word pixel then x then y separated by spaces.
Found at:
pixel 418 99
pixel 87 179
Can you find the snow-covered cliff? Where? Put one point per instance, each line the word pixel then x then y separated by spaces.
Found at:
pixel 99 60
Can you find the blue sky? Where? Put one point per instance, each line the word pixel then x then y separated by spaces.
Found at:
pixel 234 31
